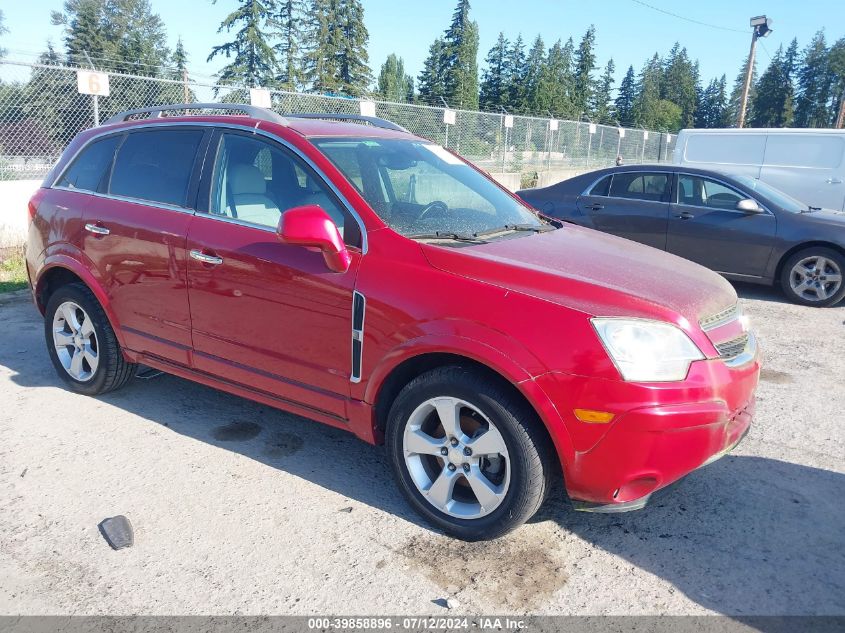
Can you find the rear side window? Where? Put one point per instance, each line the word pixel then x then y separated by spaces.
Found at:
pixel 156 165
pixel 805 150
pixel 602 187
pixel 90 170
pixel 640 186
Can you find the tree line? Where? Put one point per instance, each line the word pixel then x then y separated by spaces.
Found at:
pixel 321 46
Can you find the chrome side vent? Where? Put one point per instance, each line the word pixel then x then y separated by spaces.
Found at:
pixel 720 318
pixel 359 305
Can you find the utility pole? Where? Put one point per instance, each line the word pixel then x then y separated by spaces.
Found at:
pixel 762 27
pixel 840 120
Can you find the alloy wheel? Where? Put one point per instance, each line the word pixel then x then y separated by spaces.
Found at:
pixel 815 278
pixel 456 457
pixel 75 341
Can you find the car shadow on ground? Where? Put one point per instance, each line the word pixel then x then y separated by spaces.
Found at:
pixel 761 293
pixel 744 535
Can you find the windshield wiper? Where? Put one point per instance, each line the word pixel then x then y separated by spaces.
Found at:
pixel 447 235
pixel 536 228
pixel 810 208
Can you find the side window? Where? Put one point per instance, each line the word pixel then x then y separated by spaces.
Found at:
pixel 703 192
pixel 256 182
pixel 602 187
pixel 156 165
pixel 89 171
pixel 640 186
pixel 718 196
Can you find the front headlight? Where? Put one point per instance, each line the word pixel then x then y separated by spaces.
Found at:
pixel 647 351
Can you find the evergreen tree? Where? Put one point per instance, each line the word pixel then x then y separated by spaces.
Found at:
pixel 680 82
pixel 812 107
pixel 534 66
pixel 179 60
pixel 430 80
pixel 393 83
pixel 602 105
pixel 712 110
pixel 322 47
pixel 461 76
pixel 582 80
pixel 353 60
pixel 735 99
pixel 85 36
pixel 3 31
pixel 289 25
pixel 836 63
pixel 626 98
pixel 773 95
pixel 556 82
pixel 516 73
pixel 648 91
pixel 254 62
pixel 495 82
pixel 52 99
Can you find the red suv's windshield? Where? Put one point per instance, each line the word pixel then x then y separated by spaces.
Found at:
pixel 418 188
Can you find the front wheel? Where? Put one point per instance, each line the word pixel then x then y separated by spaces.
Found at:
pixel 82 344
pixel 469 455
pixel 813 277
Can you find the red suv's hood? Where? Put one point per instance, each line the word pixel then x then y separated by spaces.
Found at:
pixel 594 272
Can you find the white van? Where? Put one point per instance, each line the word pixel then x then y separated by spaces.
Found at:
pixel 808 164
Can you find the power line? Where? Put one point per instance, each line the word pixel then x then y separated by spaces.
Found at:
pixel 686 19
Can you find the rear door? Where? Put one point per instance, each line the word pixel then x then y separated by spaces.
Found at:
pixel 135 232
pixel 807 166
pixel 630 204
pixel 706 227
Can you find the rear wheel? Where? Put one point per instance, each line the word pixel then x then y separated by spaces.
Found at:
pixel 82 344
pixel 468 454
pixel 813 277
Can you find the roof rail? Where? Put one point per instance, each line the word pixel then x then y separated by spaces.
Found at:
pixel 155 112
pixel 355 118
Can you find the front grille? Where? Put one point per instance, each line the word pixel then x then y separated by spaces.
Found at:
pixel 720 318
pixel 733 348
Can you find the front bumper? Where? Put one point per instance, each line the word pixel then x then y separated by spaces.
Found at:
pixel 660 432
pixel 639 504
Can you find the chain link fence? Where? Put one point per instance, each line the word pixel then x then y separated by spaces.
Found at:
pixel 41 111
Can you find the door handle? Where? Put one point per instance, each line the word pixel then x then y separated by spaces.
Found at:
pixel 834 181
pixel 595 207
pixel 206 259
pixel 685 215
pixel 96 229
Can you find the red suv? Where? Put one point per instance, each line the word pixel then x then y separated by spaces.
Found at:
pixel 343 269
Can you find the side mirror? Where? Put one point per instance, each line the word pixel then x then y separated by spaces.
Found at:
pixel 748 205
pixel 310 226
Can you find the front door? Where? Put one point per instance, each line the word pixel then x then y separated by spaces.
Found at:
pixel 135 232
pixel 630 204
pixel 267 315
pixel 706 227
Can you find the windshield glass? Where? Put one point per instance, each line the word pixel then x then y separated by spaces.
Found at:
pixel 420 189
pixel 785 201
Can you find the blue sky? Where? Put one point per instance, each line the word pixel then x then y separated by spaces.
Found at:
pixel 627 30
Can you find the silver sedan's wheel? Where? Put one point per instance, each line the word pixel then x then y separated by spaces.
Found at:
pixel 456 457
pixel 75 341
pixel 815 278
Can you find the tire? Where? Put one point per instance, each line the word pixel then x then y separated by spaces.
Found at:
pixel 521 475
pixel 804 282
pixel 103 367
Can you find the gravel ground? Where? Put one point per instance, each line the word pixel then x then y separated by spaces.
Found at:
pixel 242 509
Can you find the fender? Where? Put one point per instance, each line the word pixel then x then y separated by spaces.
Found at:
pixel 65 260
pixel 489 356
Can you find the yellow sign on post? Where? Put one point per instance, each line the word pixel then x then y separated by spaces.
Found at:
pixel 90 82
